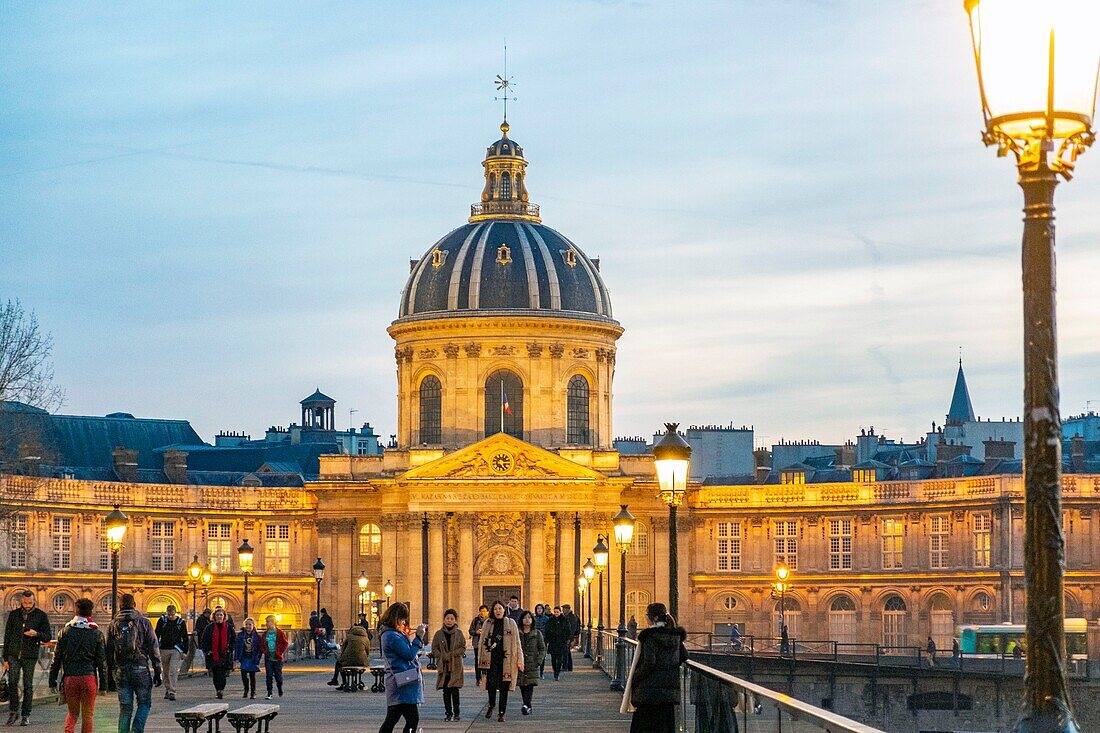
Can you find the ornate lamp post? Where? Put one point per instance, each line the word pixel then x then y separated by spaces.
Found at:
pixel 387 589
pixel 589 571
pixel 206 579
pixel 244 558
pixel 582 586
pixel 318 575
pixel 115 524
pixel 194 573
pixel 362 592
pixel 779 590
pixel 624 535
pixel 1045 121
pixel 600 555
pixel 671 457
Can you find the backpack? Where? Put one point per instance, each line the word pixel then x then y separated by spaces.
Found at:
pixel 127 644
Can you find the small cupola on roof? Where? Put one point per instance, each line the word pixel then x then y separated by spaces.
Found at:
pixel 505 193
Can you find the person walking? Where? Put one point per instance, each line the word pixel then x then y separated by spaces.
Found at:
pixel 653 684
pixel 327 624
pixel 316 633
pixel 930 647
pixel 784 642
pixel 248 651
pixel 404 683
pixel 542 617
pixel 131 649
pixel 449 648
pixel 217 647
pixel 80 655
pixel 558 635
pixel 475 638
pixel 200 626
pixel 171 631
pixel 26 630
pixel 574 634
pixel 514 611
pixel 354 652
pixel 534 653
pixel 736 643
pixel 501 658
pixel 956 653
pixel 632 628
pixel 275 645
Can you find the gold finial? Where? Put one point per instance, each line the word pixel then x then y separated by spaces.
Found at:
pixel 503 84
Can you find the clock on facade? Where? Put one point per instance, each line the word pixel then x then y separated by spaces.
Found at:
pixel 501 463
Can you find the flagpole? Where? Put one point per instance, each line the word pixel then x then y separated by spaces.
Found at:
pixel 502 404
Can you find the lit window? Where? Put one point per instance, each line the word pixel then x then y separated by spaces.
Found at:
pixel 370 540
pixel 983 532
pixel 864 475
pixel 104 551
pixel 840 544
pixel 164 546
pixel 219 546
pixel 893 530
pixel 792 477
pixel 17 541
pixel 938 546
pixel 277 548
pixel 729 546
pixel 786 543
pixel 62 536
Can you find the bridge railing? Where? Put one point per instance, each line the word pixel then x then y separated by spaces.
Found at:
pixel 715 702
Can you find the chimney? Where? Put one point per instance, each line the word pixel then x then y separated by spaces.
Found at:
pixel 1077 454
pixel 762 463
pixel 846 455
pixel 1000 449
pixel 175 466
pixel 947 451
pixel 126 465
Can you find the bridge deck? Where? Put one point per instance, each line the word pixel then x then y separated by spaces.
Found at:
pixel 582 698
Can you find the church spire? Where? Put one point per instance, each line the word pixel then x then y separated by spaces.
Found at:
pixel 961 409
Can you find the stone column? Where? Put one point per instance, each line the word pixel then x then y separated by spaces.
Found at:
pixel 536 521
pixel 388 525
pixel 659 538
pixel 436 558
pixel 567 575
pixel 467 592
pixel 345 591
pixel 410 567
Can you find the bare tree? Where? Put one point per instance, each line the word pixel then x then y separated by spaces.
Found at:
pixel 26 366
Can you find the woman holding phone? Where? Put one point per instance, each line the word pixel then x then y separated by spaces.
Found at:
pixel 404 684
pixel 500 658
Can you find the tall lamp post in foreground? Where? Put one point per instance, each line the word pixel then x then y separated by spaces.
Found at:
pixel 624 535
pixel 1045 121
pixel 362 592
pixel 318 575
pixel 589 571
pixel 600 556
pixel 115 525
pixel 245 553
pixel 671 457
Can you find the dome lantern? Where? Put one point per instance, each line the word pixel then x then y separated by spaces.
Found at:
pixel 505 193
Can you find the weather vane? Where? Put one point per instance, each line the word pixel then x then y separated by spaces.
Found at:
pixel 504 84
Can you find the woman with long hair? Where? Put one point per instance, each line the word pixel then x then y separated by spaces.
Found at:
pixel 534 653
pixel 653 685
pixel 500 658
pixel 248 652
pixel 404 684
pixel 475 638
pixel 275 645
pixel 217 648
pixel 448 648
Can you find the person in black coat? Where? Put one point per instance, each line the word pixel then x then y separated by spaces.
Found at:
pixel 558 635
pixel 27 629
pixel 653 688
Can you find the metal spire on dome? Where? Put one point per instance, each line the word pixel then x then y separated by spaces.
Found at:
pixel 504 86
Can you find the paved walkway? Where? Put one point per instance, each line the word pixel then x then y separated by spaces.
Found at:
pixel 582 700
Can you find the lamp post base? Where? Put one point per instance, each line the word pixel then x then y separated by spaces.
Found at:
pixel 618 684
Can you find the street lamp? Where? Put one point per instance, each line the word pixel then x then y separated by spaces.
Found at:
pixel 318 575
pixel 388 590
pixel 600 554
pixel 582 587
pixel 624 535
pixel 362 591
pixel 115 525
pixel 779 590
pixel 671 457
pixel 589 571
pixel 194 575
pixel 244 559
pixel 1046 123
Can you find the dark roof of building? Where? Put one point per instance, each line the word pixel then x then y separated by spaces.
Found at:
pixel 961 409
pixel 318 396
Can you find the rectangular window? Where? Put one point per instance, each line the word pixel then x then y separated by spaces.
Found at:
pixel 983 533
pixel 729 546
pixel 219 546
pixel 938 545
pixel 864 475
pixel 786 543
pixel 104 551
pixel 277 548
pixel 792 477
pixel 17 530
pixel 893 530
pixel 840 544
pixel 62 543
pixel 164 546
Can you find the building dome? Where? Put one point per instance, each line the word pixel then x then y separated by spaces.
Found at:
pixel 505 259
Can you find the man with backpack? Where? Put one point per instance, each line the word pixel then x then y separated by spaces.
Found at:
pixel 131 648
pixel 172 639
pixel 27 629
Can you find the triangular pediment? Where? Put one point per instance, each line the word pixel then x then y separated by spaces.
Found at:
pixel 502 457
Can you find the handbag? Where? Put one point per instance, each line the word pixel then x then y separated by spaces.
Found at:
pixel 406 677
pixel 249 665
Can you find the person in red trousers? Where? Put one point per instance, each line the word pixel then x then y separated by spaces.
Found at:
pixel 81 656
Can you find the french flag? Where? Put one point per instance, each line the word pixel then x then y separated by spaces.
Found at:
pixel 504 400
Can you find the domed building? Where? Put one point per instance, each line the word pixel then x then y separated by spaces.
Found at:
pixel 505 326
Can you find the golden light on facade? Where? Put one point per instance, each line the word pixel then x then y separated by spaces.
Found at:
pixel 671 458
pixel 245 554
pixel 116 524
pixel 782 572
pixel 589 570
pixel 194 570
pixel 362 581
pixel 624 529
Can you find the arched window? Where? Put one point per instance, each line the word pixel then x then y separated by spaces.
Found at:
pixel 791 617
pixel 62 603
pixel 492 186
pixel 504 404
pixel 636 602
pixel 640 544
pixel 942 616
pixel 577 412
pixel 506 187
pixel 370 540
pixel 894 633
pixel 842 620
pixel 431 410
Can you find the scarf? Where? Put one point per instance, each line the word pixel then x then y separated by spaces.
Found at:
pixel 219 641
pixel 82 622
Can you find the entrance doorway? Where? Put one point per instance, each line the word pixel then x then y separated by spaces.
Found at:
pixel 493 593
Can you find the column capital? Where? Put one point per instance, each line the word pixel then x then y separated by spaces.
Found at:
pixel 466 520
pixel 536 519
pixel 659 521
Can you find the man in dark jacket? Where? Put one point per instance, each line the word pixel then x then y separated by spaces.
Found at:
pixel 131 648
pixel 171 633
pixel 315 633
pixel 26 630
pixel 574 634
pixel 327 624
pixel 80 655
pixel 514 611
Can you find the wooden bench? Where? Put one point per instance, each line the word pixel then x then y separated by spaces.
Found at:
pixel 242 719
pixel 210 713
pixel 351 678
pixel 378 669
